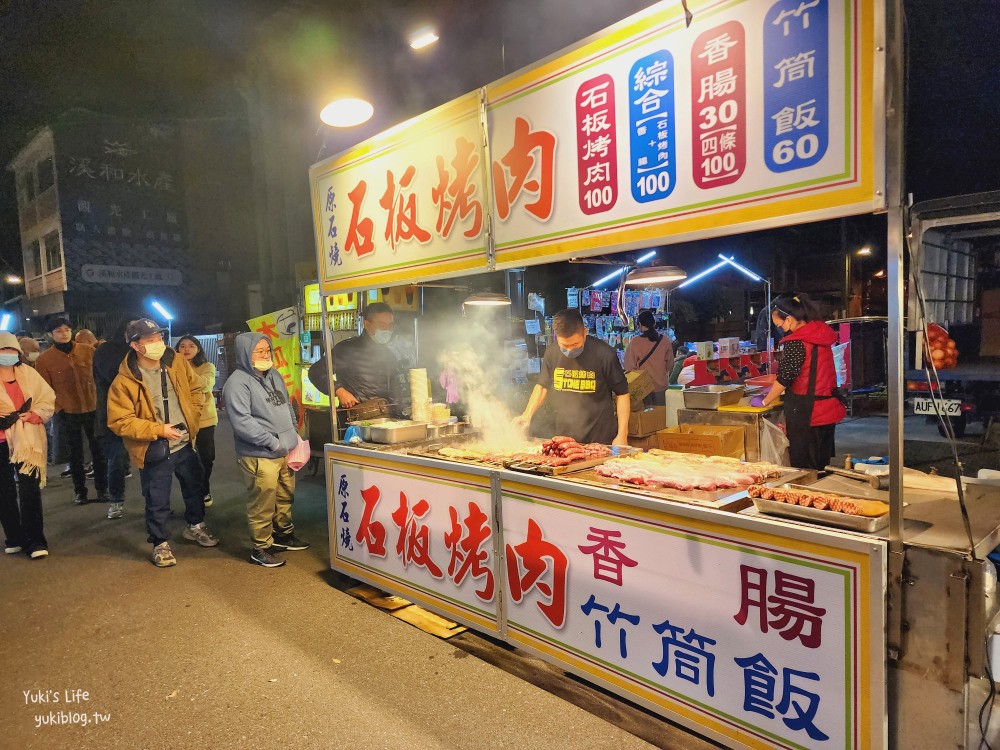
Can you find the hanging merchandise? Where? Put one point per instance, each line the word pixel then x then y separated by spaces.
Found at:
pixel 585 298
pixel 572 298
pixel 614 304
pixel 596 304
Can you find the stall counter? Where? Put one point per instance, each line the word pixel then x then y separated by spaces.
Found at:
pixel 755 632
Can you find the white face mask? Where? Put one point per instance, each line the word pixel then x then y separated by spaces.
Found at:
pixel 32 356
pixel 382 337
pixel 263 365
pixel 154 350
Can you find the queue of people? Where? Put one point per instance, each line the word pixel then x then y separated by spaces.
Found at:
pixel 134 398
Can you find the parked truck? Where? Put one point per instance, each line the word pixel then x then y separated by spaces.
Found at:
pixel 955 260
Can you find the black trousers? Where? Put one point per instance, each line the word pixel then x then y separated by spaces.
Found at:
pixel 20 506
pixel 813 449
pixel 72 428
pixel 205 445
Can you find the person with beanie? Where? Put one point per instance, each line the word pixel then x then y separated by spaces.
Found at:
pixel 651 352
pixel 27 402
pixel 68 367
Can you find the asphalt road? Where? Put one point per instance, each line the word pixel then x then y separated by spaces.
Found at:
pixel 219 653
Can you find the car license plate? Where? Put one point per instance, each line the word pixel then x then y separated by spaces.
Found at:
pixel 949 407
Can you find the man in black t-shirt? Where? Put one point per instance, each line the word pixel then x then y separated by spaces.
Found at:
pixel 585 380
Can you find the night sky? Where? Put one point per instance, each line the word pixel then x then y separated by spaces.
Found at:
pixel 187 59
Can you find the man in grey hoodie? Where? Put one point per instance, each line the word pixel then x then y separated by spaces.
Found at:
pixel 264 425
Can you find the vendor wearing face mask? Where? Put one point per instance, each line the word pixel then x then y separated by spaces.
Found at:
pixel 586 383
pixel 365 367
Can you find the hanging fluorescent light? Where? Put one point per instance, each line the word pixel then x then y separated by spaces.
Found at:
pixel 655 275
pixel 487 299
pixel 703 274
pixel 615 274
pixel 4 321
pixel 347 113
pixel 738 267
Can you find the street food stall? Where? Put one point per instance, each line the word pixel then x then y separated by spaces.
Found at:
pixel 758 605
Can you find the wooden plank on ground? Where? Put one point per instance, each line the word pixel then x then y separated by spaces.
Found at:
pixel 429 622
pixel 377 598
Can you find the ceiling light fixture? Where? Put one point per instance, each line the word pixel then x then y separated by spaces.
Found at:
pixel 423 38
pixel 487 299
pixel 655 275
pixel 865 251
pixel 347 113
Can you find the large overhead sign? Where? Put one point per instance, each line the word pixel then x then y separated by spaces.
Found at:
pixel 758 114
pixel 408 204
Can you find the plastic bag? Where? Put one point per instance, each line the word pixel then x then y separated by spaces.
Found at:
pixel 773 444
pixel 840 363
pixel 299 455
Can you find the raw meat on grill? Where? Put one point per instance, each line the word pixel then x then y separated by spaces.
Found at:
pixel 567 447
pixel 685 471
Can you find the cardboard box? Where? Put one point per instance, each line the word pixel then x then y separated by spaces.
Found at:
pixel 990 344
pixel 647 442
pixel 646 422
pixel 640 385
pixel 707 440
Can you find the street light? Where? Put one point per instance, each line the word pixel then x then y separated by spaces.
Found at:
pixel 4 321
pixel 347 113
pixel 166 316
pixel 13 279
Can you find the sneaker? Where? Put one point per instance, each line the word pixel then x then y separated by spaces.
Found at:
pixel 66 472
pixel 81 499
pixel 115 510
pixel 265 557
pixel 289 542
pixel 128 474
pixel 88 470
pixel 12 549
pixel 39 553
pixel 163 556
pixel 200 533
pixel 208 500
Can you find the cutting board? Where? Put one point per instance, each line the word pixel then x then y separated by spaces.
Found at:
pixel 554 471
pixel 750 409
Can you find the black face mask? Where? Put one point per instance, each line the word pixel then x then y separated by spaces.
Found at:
pixel 64 348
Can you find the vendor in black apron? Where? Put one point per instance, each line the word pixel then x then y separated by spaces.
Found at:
pixel 807 379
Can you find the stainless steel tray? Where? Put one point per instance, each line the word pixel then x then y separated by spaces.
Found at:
pixel 712 396
pixel 446 429
pixel 365 427
pixel 405 432
pixel 866 524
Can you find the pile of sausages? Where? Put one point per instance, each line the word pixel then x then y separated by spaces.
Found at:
pixel 566 447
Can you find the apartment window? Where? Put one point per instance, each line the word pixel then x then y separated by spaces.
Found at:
pixel 22 189
pixel 46 175
pixel 53 252
pixel 29 185
pixel 33 260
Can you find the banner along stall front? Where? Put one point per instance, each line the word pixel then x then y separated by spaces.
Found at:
pixel 760 114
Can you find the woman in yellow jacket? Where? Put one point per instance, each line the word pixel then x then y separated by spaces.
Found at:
pixel 190 348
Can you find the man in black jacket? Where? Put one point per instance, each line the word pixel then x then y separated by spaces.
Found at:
pixel 365 367
pixel 107 359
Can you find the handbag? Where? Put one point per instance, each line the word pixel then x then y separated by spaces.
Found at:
pixel 299 455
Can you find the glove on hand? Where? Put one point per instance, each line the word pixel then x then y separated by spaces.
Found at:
pixel 757 401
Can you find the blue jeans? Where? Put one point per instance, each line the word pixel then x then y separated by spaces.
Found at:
pixel 156 480
pixel 117 460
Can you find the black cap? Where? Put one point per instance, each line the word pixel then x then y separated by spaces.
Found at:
pixel 141 327
pixel 55 323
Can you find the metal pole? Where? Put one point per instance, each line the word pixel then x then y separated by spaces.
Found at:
pixel 328 348
pixel 896 275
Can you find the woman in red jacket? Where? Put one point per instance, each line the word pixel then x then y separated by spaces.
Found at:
pixel 808 380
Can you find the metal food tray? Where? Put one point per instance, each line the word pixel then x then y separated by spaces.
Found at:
pixel 365 427
pixel 407 433
pixel 866 524
pixel 712 396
